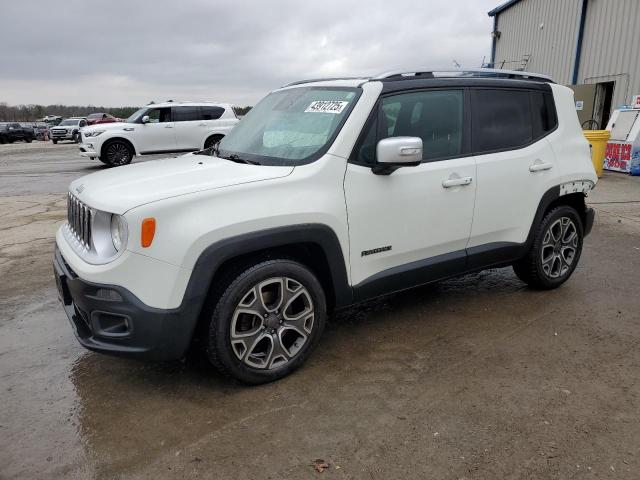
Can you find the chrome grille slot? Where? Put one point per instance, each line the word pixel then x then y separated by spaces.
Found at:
pixel 79 217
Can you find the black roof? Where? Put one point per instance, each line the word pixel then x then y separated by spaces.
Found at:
pixel 411 83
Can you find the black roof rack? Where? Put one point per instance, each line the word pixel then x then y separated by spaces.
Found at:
pixel 462 73
pixel 409 74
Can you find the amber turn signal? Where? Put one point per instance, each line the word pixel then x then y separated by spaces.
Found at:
pixel 148 231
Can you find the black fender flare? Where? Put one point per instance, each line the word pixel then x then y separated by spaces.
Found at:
pixel 215 255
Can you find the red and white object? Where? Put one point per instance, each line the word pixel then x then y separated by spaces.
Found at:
pixel 623 147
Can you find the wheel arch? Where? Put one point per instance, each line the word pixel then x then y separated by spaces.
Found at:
pixel 219 135
pixel 552 199
pixel 314 245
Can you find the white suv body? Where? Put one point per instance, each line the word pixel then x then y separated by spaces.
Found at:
pixel 327 194
pixel 159 128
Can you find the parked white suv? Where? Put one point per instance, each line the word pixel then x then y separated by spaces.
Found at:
pixel 328 193
pixel 158 128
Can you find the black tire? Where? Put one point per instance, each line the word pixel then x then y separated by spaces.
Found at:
pixel 2 140
pixel 116 153
pixel 212 140
pixel 54 141
pixel 231 360
pixel 546 275
pixel 28 140
pixel 76 137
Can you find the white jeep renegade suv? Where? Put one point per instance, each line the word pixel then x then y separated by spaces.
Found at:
pixel 158 128
pixel 328 193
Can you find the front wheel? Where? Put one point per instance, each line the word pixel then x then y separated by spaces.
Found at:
pixel 54 141
pixel 28 140
pixel 555 252
pixel 76 137
pixel 266 322
pixel 117 153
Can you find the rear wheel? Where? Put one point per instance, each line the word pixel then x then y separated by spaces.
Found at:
pixel 117 153
pixel 266 322
pixel 28 140
pixel 212 140
pixel 555 252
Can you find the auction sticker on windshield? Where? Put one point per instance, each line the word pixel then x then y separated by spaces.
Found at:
pixel 326 106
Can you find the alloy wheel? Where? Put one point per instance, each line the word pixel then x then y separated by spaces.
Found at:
pixel 271 323
pixel 118 154
pixel 559 247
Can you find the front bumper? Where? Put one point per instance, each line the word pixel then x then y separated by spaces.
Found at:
pixel 68 135
pixel 88 150
pixel 110 319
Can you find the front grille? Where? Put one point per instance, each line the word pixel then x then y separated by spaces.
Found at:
pixel 59 132
pixel 79 217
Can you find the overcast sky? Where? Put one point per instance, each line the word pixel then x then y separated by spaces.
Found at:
pixel 128 52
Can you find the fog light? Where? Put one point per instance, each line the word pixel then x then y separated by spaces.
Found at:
pixel 111 324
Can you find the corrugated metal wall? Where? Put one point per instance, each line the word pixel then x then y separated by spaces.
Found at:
pixel 611 47
pixel 552 46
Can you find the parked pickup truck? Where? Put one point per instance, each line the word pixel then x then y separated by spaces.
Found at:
pixel 10 132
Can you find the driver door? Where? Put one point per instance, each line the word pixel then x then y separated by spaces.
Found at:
pixel 157 135
pixel 411 226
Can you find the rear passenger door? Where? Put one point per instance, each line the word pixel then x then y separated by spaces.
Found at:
pixel 515 164
pixel 190 129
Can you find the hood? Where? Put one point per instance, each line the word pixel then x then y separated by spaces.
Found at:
pixel 119 189
pixel 109 126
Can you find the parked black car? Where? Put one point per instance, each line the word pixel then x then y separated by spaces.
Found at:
pixel 10 132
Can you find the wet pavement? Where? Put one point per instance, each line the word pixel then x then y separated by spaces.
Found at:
pixel 472 378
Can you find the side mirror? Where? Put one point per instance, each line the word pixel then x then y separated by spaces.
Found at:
pixel 145 119
pixel 395 152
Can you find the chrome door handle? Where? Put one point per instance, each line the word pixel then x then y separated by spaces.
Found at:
pixel 202 124
pixel 168 126
pixel 538 167
pixel 456 182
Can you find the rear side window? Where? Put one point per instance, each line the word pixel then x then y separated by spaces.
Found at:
pixel 543 114
pixel 186 114
pixel 211 113
pixel 501 120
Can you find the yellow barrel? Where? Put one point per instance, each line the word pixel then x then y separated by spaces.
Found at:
pixel 598 140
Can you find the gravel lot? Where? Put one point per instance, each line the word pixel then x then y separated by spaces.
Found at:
pixel 473 378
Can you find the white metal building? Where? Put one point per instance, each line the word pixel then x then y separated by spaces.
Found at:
pixel 576 42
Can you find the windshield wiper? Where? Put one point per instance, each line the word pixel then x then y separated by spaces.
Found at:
pixel 235 158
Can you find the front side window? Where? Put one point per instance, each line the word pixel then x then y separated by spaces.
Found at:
pixel 501 119
pixel 159 115
pixel 436 116
pixel 290 127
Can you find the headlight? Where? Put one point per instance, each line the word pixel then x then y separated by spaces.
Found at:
pixel 94 133
pixel 118 232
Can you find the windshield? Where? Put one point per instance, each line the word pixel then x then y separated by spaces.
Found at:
pixel 290 127
pixel 136 114
pixel 95 115
pixel 69 122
